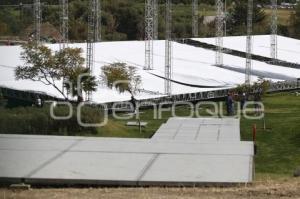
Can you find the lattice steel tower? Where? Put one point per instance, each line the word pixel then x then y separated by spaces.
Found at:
pixel 37 21
pixel 168 49
pixel 98 21
pixel 274 43
pixel 64 25
pixel 249 43
pixel 94 26
pixel 219 32
pixel 195 24
pixel 156 21
pixel 149 34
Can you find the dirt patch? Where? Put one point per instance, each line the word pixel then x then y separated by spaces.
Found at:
pixel 260 190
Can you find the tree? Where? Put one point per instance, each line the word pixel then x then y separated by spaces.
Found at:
pixel 87 82
pixel 237 19
pixel 122 77
pixel 42 65
pixel 295 22
pixel 71 64
pixel 3 28
pixel 261 86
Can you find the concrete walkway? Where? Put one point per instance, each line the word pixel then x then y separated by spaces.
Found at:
pixel 130 162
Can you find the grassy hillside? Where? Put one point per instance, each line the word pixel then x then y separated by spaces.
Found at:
pixel 283 15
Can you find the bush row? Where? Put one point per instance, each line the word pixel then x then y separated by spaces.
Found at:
pixel 33 120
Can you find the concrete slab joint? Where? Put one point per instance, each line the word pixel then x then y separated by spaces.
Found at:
pixel 183 152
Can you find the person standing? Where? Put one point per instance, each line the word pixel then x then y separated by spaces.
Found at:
pixel 229 104
pixel 134 105
pixel 243 99
pixel 257 100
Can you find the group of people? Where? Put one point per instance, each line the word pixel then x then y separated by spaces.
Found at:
pixel 242 97
pixel 230 100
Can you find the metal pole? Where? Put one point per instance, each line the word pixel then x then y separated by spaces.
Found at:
pixel 195 24
pixel 156 21
pixel 219 32
pixel 149 34
pixel 93 36
pixel 98 27
pixel 249 43
pixel 225 18
pixel 274 42
pixel 168 49
pixel 37 21
pixel 64 28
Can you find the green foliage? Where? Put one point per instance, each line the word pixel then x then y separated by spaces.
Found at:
pixel 124 19
pixel 279 144
pixel 2 100
pixel 122 77
pixel 87 81
pixel 237 18
pixel 39 64
pixel 71 63
pixel 9 21
pixel 295 21
pixel 42 65
pixel 261 86
pixel 3 28
pixel 31 120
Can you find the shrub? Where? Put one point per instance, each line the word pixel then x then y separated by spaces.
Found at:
pixel 33 120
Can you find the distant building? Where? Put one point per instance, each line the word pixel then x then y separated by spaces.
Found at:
pixel 208 19
pixel 285 5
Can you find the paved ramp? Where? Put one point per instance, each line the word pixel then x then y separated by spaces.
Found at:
pixel 200 130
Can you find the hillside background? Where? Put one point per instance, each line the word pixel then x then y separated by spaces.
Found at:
pixel 124 19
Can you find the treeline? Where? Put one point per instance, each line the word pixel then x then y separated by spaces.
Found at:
pixel 14 2
pixel 124 19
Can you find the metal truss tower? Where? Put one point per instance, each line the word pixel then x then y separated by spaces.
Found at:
pixel 225 18
pixel 156 21
pixel 149 34
pixel 249 43
pixel 93 35
pixel 274 48
pixel 195 24
pixel 37 21
pixel 219 32
pixel 98 21
pixel 168 49
pixel 64 27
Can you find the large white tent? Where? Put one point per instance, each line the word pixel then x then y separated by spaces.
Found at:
pixel 191 66
pixel 288 48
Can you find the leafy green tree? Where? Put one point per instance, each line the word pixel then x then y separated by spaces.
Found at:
pixel 87 82
pixel 237 18
pixel 261 86
pixel 42 65
pixel 239 13
pixel 3 28
pixel 122 77
pixel 295 22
